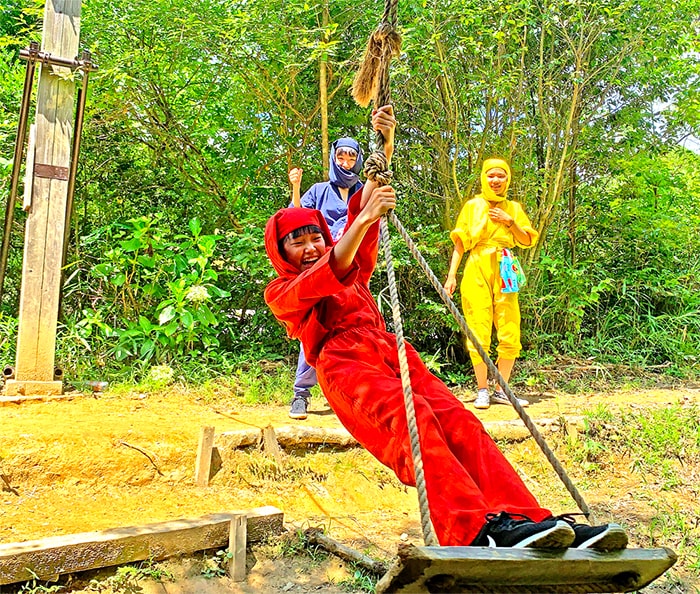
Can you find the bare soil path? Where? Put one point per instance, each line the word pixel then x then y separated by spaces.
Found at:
pixel 80 465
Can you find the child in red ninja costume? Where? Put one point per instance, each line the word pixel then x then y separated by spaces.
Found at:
pixel 323 299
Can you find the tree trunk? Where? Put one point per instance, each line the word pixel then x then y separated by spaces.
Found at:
pixel 323 95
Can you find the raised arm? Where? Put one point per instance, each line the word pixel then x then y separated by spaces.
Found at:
pixel 295 181
pixel 375 202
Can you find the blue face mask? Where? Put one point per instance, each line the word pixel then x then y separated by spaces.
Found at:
pixel 344 178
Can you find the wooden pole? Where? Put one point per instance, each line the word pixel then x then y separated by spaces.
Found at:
pixel 46 221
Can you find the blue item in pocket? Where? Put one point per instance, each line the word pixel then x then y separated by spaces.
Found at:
pixel 512 276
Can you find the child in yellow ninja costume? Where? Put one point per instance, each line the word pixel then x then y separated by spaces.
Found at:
pixel 488 223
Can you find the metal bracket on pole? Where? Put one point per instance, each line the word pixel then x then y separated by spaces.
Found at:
pixel 33 55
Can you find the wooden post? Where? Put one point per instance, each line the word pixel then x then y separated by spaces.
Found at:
pixel 204 451
pixel 238 538
pixel 270 444
pixel 45 227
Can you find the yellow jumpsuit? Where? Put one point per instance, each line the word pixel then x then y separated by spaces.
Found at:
pixel 483 303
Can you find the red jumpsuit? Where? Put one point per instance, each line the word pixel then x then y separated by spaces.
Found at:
pixel 345 339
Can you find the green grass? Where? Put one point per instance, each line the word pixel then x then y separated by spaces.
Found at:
pixel 127 577
pixel 214 566
pixel 662 448
pixel 361 580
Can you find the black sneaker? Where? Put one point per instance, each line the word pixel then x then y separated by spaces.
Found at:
pixel 518 532
pixel 607 537
pixel 298 408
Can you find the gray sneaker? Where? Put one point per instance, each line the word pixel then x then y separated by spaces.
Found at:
pixel 482 399
pixel 298 408
pixel 500 397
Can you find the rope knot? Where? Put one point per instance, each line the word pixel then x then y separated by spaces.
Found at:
pixel 377 169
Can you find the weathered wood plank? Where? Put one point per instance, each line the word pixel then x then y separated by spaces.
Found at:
pixel 204 453
pixel 480 569
pixel 270 445
pixel 43 250
pixel 237 547
pixel 18 391
pixel 288 437
pixel 50 557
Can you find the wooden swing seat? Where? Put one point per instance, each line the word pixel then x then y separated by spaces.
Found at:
pixel 480 569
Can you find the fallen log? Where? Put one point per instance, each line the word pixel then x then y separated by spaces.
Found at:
pixel 316 537
pixel 296 436
pixel 289 437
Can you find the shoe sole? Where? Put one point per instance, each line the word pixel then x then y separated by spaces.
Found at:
pixel 482 406
pixel 523 403
pixel 559 536
pixel 613 539
pixel 297 416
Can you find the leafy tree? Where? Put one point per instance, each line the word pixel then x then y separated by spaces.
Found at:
pixel 197 114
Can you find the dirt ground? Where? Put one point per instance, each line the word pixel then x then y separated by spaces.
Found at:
pixel 108 460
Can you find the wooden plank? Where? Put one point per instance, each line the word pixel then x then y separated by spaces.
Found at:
pixel 45 227
pixel 481 569
pixel 289 437
pixel 18 390
pixel 237 547
pixel 11 398
pixel 50 557
pixel 204 453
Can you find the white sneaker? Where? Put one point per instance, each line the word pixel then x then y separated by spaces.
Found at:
pixel 482 399
pixel 499 397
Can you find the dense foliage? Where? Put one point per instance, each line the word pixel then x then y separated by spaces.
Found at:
pixel 198 111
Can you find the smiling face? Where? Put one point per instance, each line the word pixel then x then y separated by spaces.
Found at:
pixel 345 158
pixel 305 250
pixel 498 180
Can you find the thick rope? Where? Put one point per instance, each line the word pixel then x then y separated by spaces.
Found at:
pixel 428 531
pixel 372 84
pixel 549 454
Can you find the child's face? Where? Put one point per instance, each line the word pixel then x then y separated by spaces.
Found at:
pixel 305 250
pixel 346 160
pixel 498 180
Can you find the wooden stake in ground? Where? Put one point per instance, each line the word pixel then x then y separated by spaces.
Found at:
pixel 237 541
pixel 45 227
pixel 204 452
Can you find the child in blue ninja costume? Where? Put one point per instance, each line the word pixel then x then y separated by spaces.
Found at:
pixel 331 198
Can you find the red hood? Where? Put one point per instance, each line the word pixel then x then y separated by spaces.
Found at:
pixel 281 266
